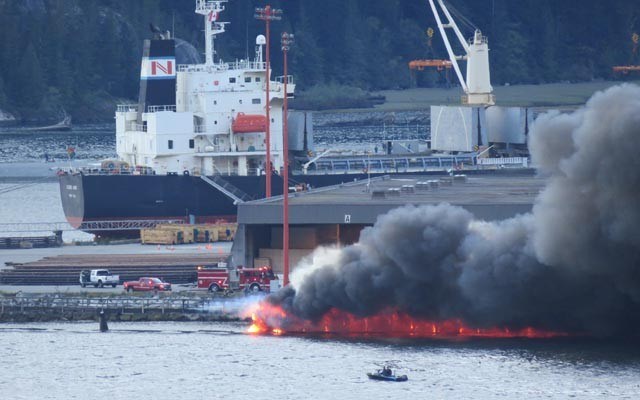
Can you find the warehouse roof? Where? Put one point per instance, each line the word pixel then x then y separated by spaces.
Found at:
pixel 488 197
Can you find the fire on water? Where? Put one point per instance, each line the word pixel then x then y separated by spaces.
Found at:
pixel 273 320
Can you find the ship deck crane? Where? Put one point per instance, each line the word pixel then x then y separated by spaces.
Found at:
pixel 306 165
pixel 438 64
pixel 477 85
pixel 625 69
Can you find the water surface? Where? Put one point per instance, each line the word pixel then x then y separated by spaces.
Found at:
pixel 215 361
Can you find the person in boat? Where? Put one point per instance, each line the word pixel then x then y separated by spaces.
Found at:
pixel 386 371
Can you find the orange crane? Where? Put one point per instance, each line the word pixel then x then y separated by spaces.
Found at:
pixel 420 65
pixel 625 69
pixel 440 65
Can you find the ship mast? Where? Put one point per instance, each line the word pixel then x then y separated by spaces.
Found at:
pixel 211 10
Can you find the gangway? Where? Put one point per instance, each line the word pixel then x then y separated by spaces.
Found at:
pixel 232 192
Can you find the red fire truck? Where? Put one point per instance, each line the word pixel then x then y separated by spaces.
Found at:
pixel 219 278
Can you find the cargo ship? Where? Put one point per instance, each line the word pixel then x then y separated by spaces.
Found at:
pixel 194 145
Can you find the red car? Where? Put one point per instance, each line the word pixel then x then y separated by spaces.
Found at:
pixel 147 284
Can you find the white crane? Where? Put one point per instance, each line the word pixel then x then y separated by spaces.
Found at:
pixel 306 165
pixel 477 86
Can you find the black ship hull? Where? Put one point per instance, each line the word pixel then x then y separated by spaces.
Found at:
pixel 103 198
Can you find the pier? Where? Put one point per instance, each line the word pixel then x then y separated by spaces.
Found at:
pixel 143 307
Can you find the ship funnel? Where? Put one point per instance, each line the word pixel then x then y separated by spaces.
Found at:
pixel 157 75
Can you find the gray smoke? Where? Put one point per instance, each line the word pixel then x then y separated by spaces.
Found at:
pixel 571 265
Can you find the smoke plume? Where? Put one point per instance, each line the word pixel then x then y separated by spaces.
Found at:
pixel 572 264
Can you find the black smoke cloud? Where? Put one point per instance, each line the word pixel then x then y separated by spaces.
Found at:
pixel 572 265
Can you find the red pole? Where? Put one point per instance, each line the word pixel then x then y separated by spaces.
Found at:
pixel 285 176
pixel 268 128
pixel 267 14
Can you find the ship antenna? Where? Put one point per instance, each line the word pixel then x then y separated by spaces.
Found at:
pixel 211 11
pixel 246 48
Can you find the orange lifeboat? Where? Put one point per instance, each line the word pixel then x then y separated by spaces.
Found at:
pixel 247 123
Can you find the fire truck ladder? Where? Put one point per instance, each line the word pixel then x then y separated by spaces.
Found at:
pixel 232 192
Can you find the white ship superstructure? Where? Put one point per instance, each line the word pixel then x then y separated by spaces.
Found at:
pixel 217 124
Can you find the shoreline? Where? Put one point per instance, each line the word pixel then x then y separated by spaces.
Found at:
pixel 546 95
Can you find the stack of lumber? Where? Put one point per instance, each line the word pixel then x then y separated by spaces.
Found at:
pixel 167 234
pixel 226 231
pixel 179 234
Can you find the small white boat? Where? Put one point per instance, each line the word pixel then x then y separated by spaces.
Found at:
pixel 64 125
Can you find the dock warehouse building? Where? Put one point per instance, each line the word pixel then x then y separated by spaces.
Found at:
pixel 336 214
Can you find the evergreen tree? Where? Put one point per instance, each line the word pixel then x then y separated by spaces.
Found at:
pixel 306 55
pixel 85 53
pixel 28 82
pixel 3 97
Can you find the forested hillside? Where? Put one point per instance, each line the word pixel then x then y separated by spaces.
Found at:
pixel 83 55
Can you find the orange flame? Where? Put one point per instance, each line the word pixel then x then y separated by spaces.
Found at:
pixel 270 319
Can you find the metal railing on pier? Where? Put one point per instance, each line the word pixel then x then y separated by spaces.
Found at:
pixel 123 304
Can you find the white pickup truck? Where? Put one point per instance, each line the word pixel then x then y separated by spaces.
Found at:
pixel 98 278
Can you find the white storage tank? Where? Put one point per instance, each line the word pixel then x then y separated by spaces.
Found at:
pixel 457 128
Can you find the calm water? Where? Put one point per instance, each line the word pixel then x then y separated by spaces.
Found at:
pixel 29 200
pixel 215 361
pixel 91 142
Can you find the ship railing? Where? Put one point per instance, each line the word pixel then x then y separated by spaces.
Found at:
pixel 274 87
pixel 253 171
pixel 127 108
pixel 225 171
pixel 199 128
pixel 236 65
pixel 154 109
pixel 524 161
pixel 106 171
pixel 288 78
pixel 135 127
pixel 108 225
pixel 483 40
pixel 390 165
pixel 200 68
pixel 245 64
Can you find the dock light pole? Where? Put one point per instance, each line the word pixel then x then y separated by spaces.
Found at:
pixel 287 42
pixel 268 14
